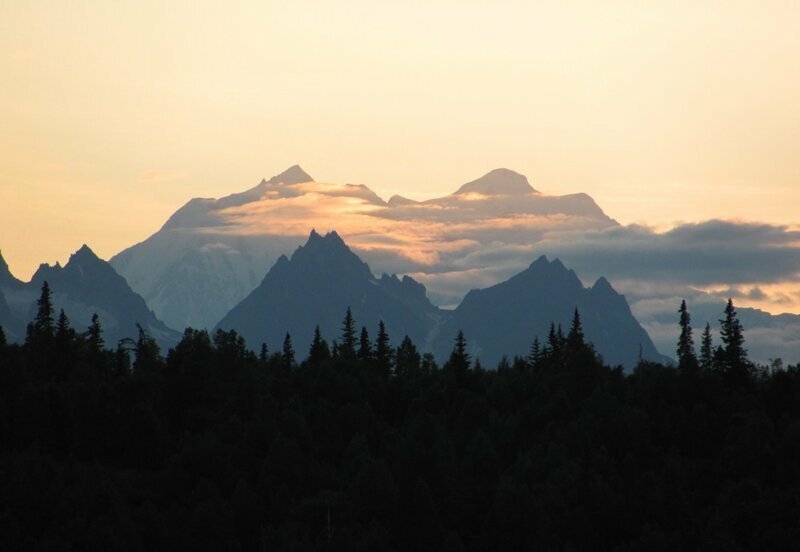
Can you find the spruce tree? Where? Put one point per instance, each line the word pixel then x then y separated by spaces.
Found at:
pixel 364 345
pixel 263 356
pixel 687 359
pixel 64 332
pixel 732 335
pixel 347 348
pixel 706 349
pixel 42 329
pixel 148 355
pixel 94 336
pixel 383 351
pixel 318 351
pixel 535 354
pixel 288 351
pixel 575 338
pixel 554 342
pixel 407 358
pixel 459 361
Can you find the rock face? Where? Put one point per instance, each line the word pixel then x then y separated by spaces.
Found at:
pixel 324 277
pixel 212 253
pixel 505 318
pixel 316 286
pixel 84 286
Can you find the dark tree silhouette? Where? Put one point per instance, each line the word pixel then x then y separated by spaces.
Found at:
pixel 94 335
pixel 687 360
pixel 148 361
pixel 732 336
pixel 383 351
pixel 364 345
pixel 64 332
pixel 536 353
pixel 288 351
pixel 319 351
pixel 42 329
pixel 407 358
pixel 347 348
pixel 706 349
pixel 459 362
pixel 263 355
pixel 575 338
pixel 213 448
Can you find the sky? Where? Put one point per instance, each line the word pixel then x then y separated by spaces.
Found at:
pixel 113 115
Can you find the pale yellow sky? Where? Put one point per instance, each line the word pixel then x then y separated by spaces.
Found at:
pixel 113 114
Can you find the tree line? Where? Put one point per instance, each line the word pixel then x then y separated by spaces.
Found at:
pixel 360 445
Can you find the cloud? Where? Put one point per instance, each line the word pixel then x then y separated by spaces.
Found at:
pixel 453 245
pixel 703 254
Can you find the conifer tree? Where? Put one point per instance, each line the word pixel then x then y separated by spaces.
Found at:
pixel 3 341
pixel 263 356
pixel 347 348
pixel 318 351
pixel 535 354
pixel 407 358
pixel 732 335
pixel 64 332
pixel 383 351
pixel 459 361
pixel 706 349
pixel 687 359
pixel 288 351
pixel 148 354
pixel 364 345
pixel 554 341
pixel 575 338
pixel 42 328
pixel 94 336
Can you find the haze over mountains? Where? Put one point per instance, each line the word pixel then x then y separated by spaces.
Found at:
pixel 212 253
pixel 220 249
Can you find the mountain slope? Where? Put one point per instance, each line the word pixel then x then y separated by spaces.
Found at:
pixel 212 252
pixel 84 286
pixel 505 318
pixel 316 286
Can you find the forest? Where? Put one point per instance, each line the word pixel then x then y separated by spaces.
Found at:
pixel 359 445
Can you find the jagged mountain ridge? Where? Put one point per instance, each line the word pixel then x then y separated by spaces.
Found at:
pixel 83 286
pixel 325 277
pixel 216 251
pixel 316 286
pixel 505 318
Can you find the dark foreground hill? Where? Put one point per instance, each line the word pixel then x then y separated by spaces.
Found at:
pixel 212 448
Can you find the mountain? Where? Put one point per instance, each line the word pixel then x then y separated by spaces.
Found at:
pixel 504 319
pixel 316 286
pixel 12 325
pixel 324 277
pixel 84 286
pixel 211 253
pixel 8 280
pixel 498 182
